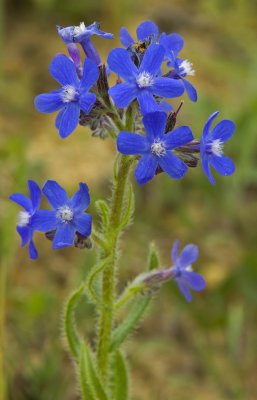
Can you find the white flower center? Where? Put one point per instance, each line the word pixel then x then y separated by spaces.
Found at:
pixel 65 214
pixel 68 94
pixel 186 67
pixel 145 79
pixel 23 218
pixel 79 29
pixel 188 268
pixel 217 147
pixel 158 148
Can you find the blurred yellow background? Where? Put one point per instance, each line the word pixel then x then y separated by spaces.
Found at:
pixel 206 350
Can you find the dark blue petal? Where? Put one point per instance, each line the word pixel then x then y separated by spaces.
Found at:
pixel 173 42
pixel 90 75
pixel 59 118
pixel 125 37
pixel 25 234
pixel 22 200
pixel 94 29
pixel 147 102
pixel 178 137
pixel 173 166
pixel 131 143
pixel 174 252
pixel 86 102
pixel 184 290
pixel 167 87
pixel 35 194
pixel 120 62
pixel 83 223
pixel 222 164
pixel 63 70
pixel 146 29
pixel 207 126
pixel 153 59
pixel 165 106
pixel 223 130
pixel 69 120
pixel 155 124
pixel 32 251
pixel 190 89
pixel 194 280
pixel 44 220
pixel 81 199
pixel 188 255
pixel 123 93
pixel 146 168
pixel 55 194
pixel 206 169
pixel 90 51
pixel 64 236
pixel 49 102
pixel 74 54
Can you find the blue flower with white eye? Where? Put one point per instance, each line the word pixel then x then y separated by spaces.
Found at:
pixel 25 226
pixel 145 31
pixel 67 216
pixel 144 82
pixel 81 34
pixel 182 271
pixel 211 147
pixel 155 148
pixel 73 95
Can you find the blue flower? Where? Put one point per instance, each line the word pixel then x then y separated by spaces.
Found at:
pixel 155 148
pixel 25 226
pixel 182 270
pixel 81 34
pixel 211 147
pixel 73 95
pixel 141 83
pixel 145 31
pixel 68 216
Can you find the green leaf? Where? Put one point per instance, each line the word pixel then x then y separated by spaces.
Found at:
pixel 89 380
pixel 96 270
pixel 153 257
pixel 130 322
pixel 70 330
pixel 104 212
pixel 120 377
pixel 130 207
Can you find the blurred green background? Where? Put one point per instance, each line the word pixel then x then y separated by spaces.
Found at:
pixel 204 350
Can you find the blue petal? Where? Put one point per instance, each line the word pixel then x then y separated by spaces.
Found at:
pixel 64 236
pixel 123 93
pixel 188 255
pixel 90 75
pixel 222 164
pixel 174 251
pixel 165 106
pixel 125 37
pixel 178 137
pixel 207 126
pixel 69 120
pixel 22 200
pixel 173 42
pixel 81 199
pixel 190 89
pixel 146 168
pixel 90 51
pixel 59 118
pixel 120 62
pixel 173 166
pixel 155 124
pixel 32 251
pixel 153 59
pixel 206 169
pixel 74 54
pixel 55 194
pixel 63 70
pixel 223 130
pixel 131 143
pixel 83 223
pixel 25 234
pixel 147 102
pixel 184 290
pixel 35 194
pixel 44 220
pixel 94 30
pixel 49 102
pixel 146 29
pixel 86 102
pixel 167 87
pixel 194 280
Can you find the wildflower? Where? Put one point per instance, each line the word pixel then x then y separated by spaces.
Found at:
pixel 73 95
pixel 146 30
pixel 143 82
pixel 67 217
pixel 25 226
pixel 156 148
pixel 81 34
pixel 211 147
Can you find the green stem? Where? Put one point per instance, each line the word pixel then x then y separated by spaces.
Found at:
pixel 108 282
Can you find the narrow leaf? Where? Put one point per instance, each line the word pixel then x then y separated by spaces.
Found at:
pixel 153 257
pixel 103 210
pixel 130 207
pixel 120 377
pixel 86 389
